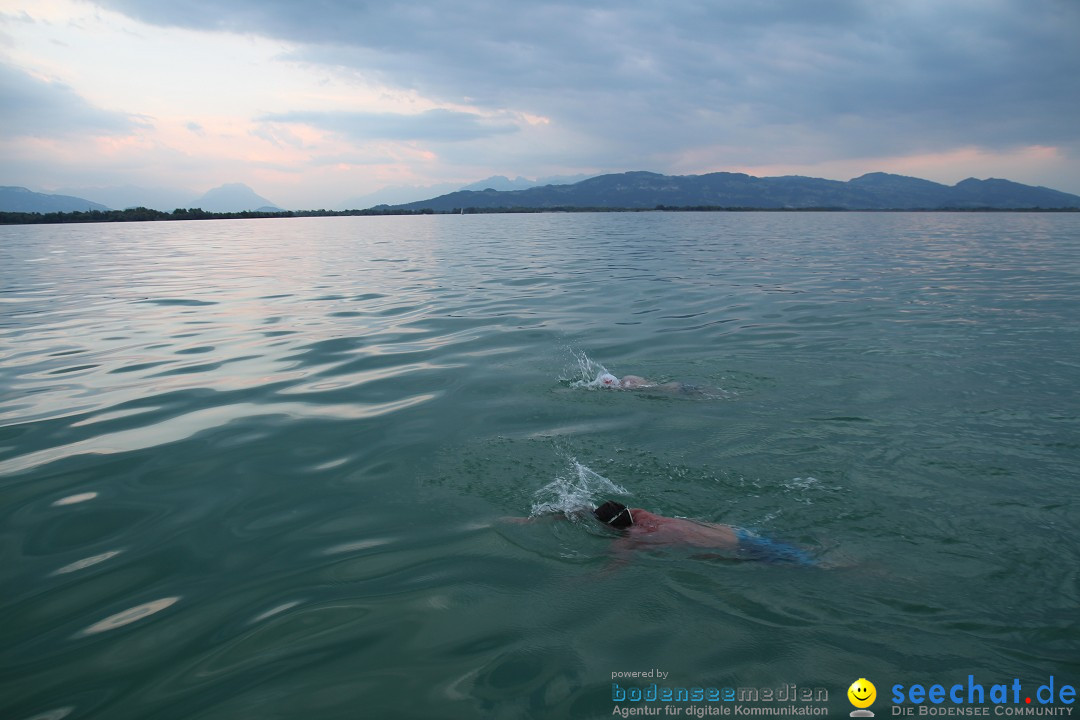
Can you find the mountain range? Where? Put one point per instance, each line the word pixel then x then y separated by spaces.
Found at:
pixel 232 197
pixel 874 191
pixel 119 197
pixel 396 195
pixel 631 190
pixel 19 199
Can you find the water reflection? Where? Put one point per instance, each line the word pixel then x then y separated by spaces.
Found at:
pixel 86 562
pixel 73 499
pixel 130 615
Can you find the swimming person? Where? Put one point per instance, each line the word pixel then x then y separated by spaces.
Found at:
pixel 643 529
pixel 636 382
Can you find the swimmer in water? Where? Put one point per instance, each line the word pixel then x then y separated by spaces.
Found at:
pixel 643 529
pixel 636 382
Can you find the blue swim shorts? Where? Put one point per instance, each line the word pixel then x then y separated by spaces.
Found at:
pixel 756 547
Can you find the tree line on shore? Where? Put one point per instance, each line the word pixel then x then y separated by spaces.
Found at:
pixel 142 214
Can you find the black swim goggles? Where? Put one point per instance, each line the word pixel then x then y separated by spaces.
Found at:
pixel 617 515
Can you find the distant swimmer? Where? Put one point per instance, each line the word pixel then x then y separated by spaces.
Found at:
pixel 643 529
pixel 636 382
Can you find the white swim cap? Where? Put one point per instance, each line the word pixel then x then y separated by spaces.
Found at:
pixel 608 380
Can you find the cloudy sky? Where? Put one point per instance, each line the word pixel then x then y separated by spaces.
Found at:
pixel 314 102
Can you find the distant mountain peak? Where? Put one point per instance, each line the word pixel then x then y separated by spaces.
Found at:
pixel 231 197
pixel 875 176
pixel 502 182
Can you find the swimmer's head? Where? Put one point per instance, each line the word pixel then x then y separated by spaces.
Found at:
pixel 614 514
pixel 607 380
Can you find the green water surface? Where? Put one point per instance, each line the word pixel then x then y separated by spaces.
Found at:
pixel 258 469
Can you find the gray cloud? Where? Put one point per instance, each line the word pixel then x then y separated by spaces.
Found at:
pixel 37 108
pixel 770 81
pixel 277 135
pixel 432 126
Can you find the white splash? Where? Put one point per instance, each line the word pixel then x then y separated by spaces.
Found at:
pixel 807 483
pixel 573 492
pixel 804 488
pixel 584 372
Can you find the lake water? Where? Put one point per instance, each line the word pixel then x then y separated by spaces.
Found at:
pixel 259 469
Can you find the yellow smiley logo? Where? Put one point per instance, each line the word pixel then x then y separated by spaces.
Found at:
pixel 862 693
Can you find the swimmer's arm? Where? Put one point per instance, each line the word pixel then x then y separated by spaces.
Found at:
pixel 624 546
pixel 620 553
pixel 529 520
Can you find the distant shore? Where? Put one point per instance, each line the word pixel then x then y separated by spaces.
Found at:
pixel 147 215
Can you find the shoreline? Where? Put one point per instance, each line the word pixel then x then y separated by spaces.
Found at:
pixel 148 215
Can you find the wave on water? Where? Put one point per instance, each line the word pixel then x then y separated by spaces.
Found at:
pixel 574 492
pixel 804 489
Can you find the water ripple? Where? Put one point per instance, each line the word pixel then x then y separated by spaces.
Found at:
pixel 257 468
pixel 131 615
